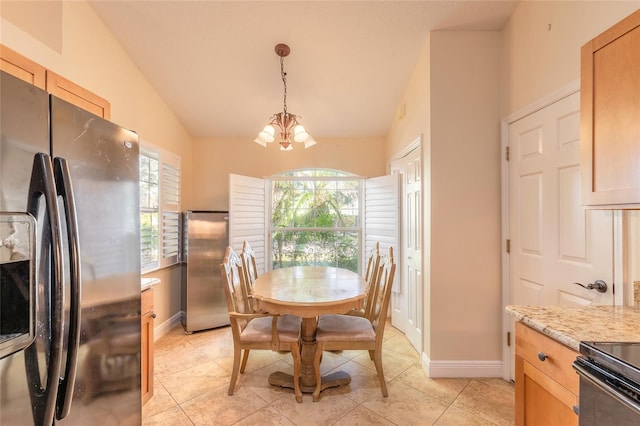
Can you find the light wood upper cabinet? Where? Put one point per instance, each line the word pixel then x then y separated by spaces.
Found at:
pixel 610 117
pixel 25 69
pixel 74 94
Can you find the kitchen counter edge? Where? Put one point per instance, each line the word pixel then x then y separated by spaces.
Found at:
pixel 571 325
pixel 147 283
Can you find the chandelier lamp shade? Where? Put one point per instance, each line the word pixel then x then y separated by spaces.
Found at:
pixel 285 122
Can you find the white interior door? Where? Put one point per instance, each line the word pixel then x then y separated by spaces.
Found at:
pixel 555 242
pixel 407 301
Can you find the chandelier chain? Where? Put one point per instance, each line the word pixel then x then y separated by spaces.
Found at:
pixel 284 82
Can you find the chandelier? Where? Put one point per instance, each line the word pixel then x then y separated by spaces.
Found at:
pixel 287 122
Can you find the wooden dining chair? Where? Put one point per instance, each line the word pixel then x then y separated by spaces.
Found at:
pixel 252 330
pixel 371 271
pixel 348 332
pixel 250 271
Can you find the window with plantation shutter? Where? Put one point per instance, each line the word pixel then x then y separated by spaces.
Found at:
pixel 159 208
pixel 322 217
pixel 149 210
pixel 170 214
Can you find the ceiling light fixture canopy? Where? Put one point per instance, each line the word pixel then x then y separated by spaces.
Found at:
pixel 287 122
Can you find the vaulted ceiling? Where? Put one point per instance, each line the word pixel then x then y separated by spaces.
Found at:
pixel 214 63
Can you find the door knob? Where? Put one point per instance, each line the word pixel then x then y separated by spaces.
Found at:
pixel 599 286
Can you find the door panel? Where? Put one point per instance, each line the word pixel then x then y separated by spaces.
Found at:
pixel 408 299
pixel 555 242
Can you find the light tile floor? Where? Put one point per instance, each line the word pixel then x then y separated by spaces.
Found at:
pixel 192 374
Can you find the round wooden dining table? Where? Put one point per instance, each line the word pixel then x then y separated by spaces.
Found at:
pixel 309 291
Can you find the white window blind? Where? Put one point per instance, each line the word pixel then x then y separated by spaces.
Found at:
pixel 170 211
pixel 247 213
pixel 381 216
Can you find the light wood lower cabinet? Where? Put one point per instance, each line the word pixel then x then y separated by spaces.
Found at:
pixel 546 384
pixel 147 344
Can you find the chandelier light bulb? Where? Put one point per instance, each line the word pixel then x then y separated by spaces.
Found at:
pixel 268 133
pixel 300 134
pixel 260 141
pixel 309 142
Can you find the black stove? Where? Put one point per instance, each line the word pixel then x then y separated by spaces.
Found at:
pixel 609 383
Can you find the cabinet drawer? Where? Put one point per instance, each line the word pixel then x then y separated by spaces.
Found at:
pixel 557 365
pixel 147 301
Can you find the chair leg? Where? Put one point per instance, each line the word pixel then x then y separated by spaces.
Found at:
pixel 245 358
pixel 317 358
pixel 236 367
pixel 297 366
pixel 377 359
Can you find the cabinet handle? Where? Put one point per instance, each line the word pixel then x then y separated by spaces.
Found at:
pixel 542 356
pixel 576 409
pixel 153 315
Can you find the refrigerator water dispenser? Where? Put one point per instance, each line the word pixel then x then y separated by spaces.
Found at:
pixel 17 283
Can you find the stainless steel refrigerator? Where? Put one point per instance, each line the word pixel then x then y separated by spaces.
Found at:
pixel 205 239
pixel 70 264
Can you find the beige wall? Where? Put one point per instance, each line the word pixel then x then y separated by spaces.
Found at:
pixel 215 158
pixel 452 100
pixel 465 196
pixel 91 57
pixel 416 106
pixel 539 59
pixel 416 122
pixel 462 85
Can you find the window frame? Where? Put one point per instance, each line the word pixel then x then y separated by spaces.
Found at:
pixel 290 176
pixel 249 201
pixel 168 209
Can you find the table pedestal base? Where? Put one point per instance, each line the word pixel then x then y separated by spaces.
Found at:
pixel 339 378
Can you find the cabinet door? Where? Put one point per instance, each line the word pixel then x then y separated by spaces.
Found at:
pixel 147 357
pixel 540 400
pixel 25 69
pixel 147 345
pixel 72 93
pixel 610 116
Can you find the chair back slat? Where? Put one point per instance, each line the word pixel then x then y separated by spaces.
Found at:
pixel 373 261
pixel 384 281
pixel 249 269
pixel 373 265
pixel 232 275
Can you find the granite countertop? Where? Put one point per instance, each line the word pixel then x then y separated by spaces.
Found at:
pixel 570 325
pixel 146 283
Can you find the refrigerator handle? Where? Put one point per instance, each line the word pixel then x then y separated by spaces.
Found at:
pixel 65 190
pixel 43 400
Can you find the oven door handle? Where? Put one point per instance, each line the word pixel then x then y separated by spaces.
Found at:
pixel 605 388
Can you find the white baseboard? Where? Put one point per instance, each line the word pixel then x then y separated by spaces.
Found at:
pixel 461 369
pixel 164 328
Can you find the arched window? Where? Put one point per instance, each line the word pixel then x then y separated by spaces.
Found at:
pixel 313 217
